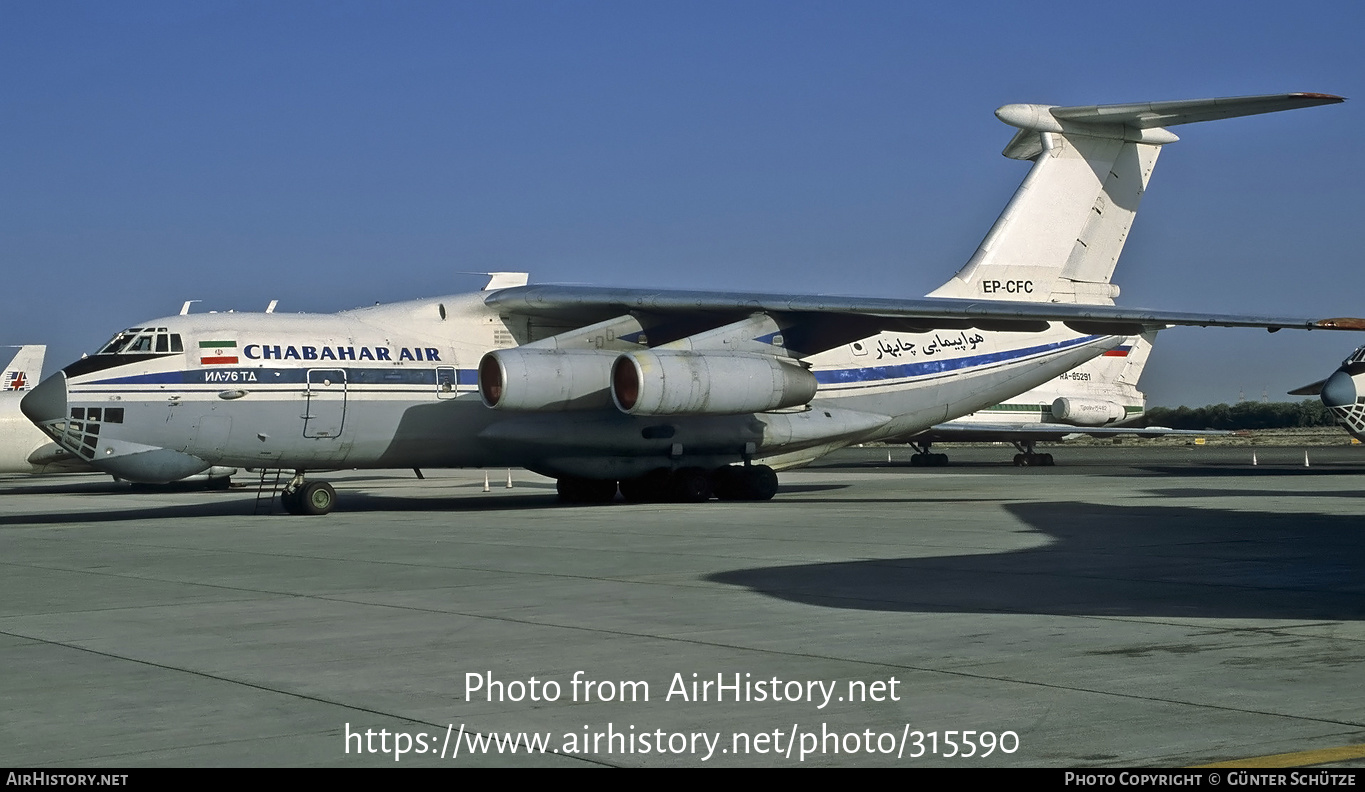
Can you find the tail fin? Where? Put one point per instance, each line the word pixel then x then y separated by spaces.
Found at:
pixel 25 370
pixel 1061 234
pixel 1136 360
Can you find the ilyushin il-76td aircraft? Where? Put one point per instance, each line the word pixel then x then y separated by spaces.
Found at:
pixel 664 395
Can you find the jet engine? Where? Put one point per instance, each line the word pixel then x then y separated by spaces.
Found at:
pixel 1087 412
pixel 669 382
pixel 545 380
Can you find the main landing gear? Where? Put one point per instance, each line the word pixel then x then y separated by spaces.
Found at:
pixel 684 485
pixel 307 497
pixel 925 459
pixel 1028 458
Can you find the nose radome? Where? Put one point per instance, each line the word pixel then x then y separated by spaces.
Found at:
pixel 1338 391
pixel 47 402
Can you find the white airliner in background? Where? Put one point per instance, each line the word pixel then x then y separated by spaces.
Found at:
pixel 24 449
pixel 1097 398
pixel 666 395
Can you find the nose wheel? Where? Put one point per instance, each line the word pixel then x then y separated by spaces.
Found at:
pixel 308 497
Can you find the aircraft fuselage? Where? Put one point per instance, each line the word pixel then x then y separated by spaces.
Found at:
pixel 396 386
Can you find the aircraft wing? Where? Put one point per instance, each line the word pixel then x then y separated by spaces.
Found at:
pixel 857 317
pixel 953 432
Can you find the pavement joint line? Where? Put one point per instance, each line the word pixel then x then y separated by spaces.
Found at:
pixel 256 686
pixel 124 754
pixel 1318 756
pixel 730 537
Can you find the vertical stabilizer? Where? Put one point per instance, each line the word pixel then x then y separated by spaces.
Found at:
pixel 1060 236
pixel 25 370
pixel 1137 359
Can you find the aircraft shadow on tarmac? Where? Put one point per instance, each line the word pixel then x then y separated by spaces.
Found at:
pixel 1152 561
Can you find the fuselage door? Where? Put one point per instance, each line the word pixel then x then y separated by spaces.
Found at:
pixel 445 382
pixel 324 403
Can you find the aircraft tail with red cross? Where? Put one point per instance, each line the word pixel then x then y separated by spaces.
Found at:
pixel 25 370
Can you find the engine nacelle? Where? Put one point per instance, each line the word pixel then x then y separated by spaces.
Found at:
pixel 546 380
pixel 669 382
pixel 1087 412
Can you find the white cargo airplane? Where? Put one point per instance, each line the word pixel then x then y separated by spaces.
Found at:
pixel 1097 398
pixel 1343 393
pixel 668 395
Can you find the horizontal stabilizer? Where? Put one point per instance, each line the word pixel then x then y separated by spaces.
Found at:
pixel 1151 115
pixel 1312 389
pixel 1145 115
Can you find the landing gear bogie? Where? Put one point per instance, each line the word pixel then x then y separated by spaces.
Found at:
pixel 751 483
pixel 581 490
pixel 696 485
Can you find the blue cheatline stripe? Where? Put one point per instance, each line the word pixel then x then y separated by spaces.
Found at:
pixel 285 376
pixel 906 370
pixel 160 378
pixel 427 376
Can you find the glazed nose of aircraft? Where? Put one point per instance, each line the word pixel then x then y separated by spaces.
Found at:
pixel 1338 391
pixel 47 402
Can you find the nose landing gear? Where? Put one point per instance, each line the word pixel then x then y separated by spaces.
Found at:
pixel 307 497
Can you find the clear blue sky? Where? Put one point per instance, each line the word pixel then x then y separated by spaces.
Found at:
pixel 334 154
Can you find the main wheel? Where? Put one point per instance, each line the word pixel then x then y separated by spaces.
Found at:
pixel 690 485
pixel 652 487
pixel 755 482
pixel 317 497
pixel 289 499
pixel 581 490
pixel 764 485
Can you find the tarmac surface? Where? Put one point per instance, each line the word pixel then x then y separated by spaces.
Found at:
pixel 1156 607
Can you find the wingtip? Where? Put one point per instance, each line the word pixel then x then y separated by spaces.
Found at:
pixel 1341 323
pixel 1325 97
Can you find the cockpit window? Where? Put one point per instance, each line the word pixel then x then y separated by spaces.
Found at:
pixel 1356 356
pixel 143 341
pixel 117 343
pixel 134 345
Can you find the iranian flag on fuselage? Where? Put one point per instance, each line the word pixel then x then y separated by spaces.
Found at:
pixel 218 353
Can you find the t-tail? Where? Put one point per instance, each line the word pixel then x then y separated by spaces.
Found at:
pixel 1060 236
pixel 25 370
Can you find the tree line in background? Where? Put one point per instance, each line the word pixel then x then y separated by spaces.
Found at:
pixel 1243 415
